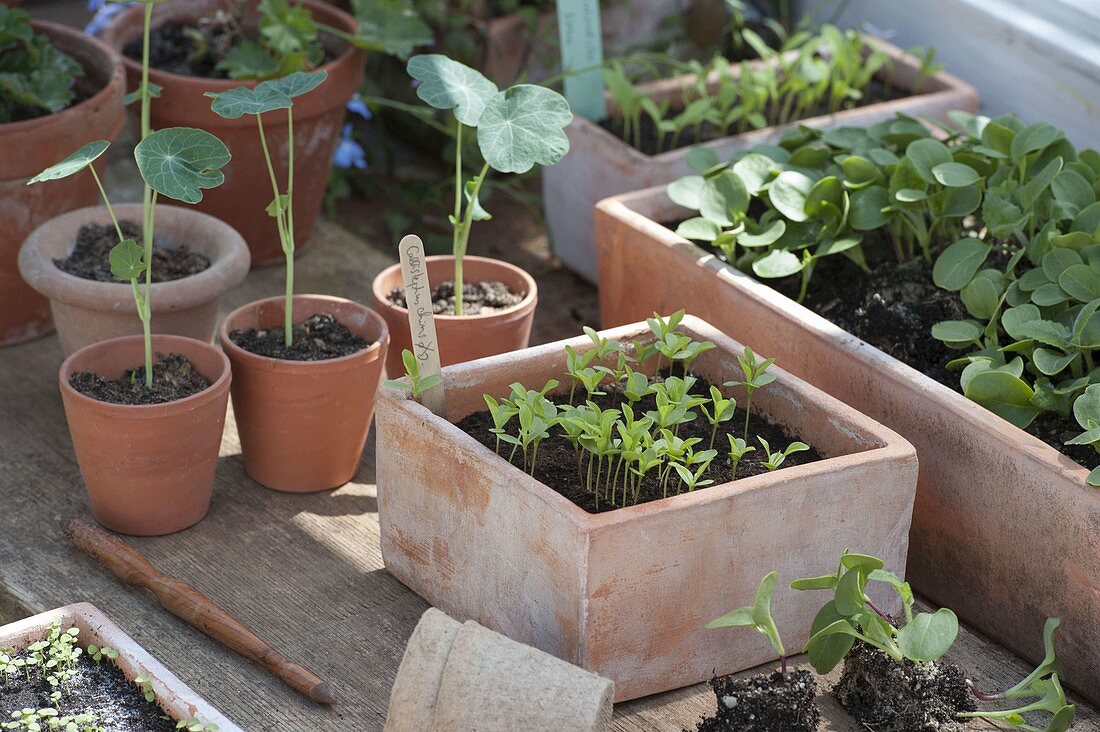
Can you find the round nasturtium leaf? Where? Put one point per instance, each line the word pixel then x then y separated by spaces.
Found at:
pixel 296 84
pixel 447 84
pixel 74 163
pixel 788 194
pixel 180 162
pixel 523 126
pixel 125 260
pixel 242 100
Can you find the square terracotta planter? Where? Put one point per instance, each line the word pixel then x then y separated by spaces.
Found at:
pixel 175 698
pixel 1005 529
pixel 626 594
pixel 599 164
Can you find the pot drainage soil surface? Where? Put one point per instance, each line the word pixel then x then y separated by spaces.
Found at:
pixel 478 298
pixel 318 338
pixel 90 258
pixel 174 377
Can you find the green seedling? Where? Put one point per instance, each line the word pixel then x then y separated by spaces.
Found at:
pixel 517 129
pixel 636 386
pixel 776 459
pixel 145 683
pixel 720 410
pixel 194 724
pixel 1086 410
pixel 97 653
pixel 414 383
pixel 758 616
pixel 738 449
pixel 755 376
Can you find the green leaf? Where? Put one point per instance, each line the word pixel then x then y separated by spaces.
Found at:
pixel 180 162
pixel 235 103
pixel 125 260
pixel 1072 188
pixel 830 645
pixel 777 263
pixel 447 84
pixel 701 159
pixel 958 264
pixel 687 191
pixel 477 212
pixel 248 60
pixel 788 194
pixel 1094 477
pixel 74 163
pixel 699 229
pixel 925 155
pixel 739 618
pixel 981 297
pixel 1048 295
pixel 957 333
pixel 724 198
pixel 135 96
pixel 766 236
pixel 754 170
pixel 1086 409
pixel 390 26
pixel 1051 362
pixel 867 208
pixel 296 84
pixel 1005 395
pixel 522 127
pixel 1057 260
pixel 1033 138
pixel 1029 192
pixel 824 582
pixel 929 635
pixel 849 593
pixel 955 175
pixel 1080 282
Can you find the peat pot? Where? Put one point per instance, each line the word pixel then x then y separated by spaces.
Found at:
pixel 149 469
pixel 31 146
pixel 1002 520
pixel 303 424
pixel 626 593
pixel 88 311
pixel 176 698
pixel 469 336
pixel 318 116
pixel 599 164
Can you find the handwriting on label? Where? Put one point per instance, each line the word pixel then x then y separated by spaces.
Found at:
pixel 581 44
pixel 418 301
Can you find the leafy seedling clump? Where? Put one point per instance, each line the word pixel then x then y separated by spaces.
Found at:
pixel 36 79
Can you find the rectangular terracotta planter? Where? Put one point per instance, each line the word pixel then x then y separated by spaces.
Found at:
pixel 1005 530
pixel 174 697
pixel 626 593
pixel 599 164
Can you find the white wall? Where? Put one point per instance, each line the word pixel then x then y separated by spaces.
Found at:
pixel 1037 58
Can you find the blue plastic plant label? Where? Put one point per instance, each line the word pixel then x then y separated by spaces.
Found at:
pixel 582 51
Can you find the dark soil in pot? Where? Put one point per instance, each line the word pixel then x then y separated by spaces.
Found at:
pixel 890 697
pixel 318 338
pixel 174 377
pixel 478 298
pixel 556 464
pixel 97 688
pixel 764 703
pixel 90 257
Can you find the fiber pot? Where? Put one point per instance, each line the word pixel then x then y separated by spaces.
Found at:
pixel 461 676
pixel 149 469
pixel 599 164
pixel 88 311
pixel 626 593
pixel 318 116
pixel 176 698
pixel 32 146
pixel 303 424
pixel 466 337
pixel 1002 520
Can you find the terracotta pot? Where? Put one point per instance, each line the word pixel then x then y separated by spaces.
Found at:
pixel 1002 520
pixel 88 311
pixel 242 200
pixel 176 698
pixel 32 146
pixel 303 424
pixel 626 593
pixel 149 469
pixel 469 336
pixel 599 164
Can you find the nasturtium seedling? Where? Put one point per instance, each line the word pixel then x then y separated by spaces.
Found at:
pixel 757 616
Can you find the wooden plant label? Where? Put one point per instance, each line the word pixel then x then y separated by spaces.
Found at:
pixel 582 50
pixel 418 299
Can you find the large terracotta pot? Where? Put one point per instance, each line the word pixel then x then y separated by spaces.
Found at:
pixel 469 336
pixel 303 424
pixel 32 146
pixel 149 469
pixel 318 116
pixel 626 593
pixel 1002 520
pixel 88 311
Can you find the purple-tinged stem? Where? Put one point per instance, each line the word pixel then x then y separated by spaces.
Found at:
pixel 981 694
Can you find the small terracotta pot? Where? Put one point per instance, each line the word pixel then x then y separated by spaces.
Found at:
pixel 467 337
pixel 149 469
pixel 318 116
pixel 303 424
pixel 88 311
pixel 30 147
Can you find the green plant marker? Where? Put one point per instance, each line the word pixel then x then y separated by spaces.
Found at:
pixel 582 52
pixel 418 298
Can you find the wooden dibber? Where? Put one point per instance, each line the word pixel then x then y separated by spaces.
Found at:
pixel 195 608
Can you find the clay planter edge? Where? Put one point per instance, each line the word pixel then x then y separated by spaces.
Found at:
pixel 466 337
pixel 599 164
pixel 990 494
pixel 626 594
pixel 30 147
pixel 303 424
pixel 176 698
pixel 88 311
pixel 318 117
pixel 149 469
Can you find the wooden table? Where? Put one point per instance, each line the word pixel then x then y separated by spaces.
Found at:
pixel 303 570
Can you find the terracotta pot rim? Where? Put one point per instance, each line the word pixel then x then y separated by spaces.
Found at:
pixel 132 411
pixel 225 271
pixel 528 300
pixel 371 353
pixel 221 85
pixel 118 77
